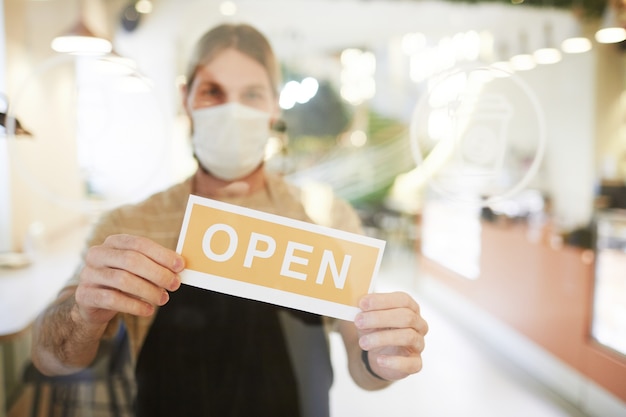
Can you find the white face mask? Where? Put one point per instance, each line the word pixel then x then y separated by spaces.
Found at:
pixel 229 139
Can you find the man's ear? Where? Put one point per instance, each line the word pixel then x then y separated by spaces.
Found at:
pixel 276 114
pixel 278 125
pixel 184 96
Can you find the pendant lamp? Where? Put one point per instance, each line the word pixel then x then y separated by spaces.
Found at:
pixel 548 54
pixel 8 123
pixel 13 125
pixel 611 30
pixel 524 60
pixel 576 45
pixel 576 42
pixel 502 67
pixel 81 40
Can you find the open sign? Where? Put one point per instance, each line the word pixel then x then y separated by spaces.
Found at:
pixel 260 256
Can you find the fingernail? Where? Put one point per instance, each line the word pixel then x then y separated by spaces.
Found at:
pixel 359 321
pixel 175 283
pixel 382 361
pixel 364 303
pixel 179 264
pixel 364 343
pixel 164 297
pixel 148 309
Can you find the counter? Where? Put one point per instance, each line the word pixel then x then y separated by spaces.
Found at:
pixel 543 290
pixel 24 294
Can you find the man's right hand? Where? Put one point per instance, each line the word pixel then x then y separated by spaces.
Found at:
pixel 127 274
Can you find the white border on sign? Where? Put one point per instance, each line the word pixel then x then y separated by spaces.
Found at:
pixel 268 295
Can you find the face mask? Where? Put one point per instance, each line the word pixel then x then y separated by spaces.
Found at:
pixel 229 139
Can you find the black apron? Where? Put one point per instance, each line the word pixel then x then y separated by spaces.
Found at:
pixel 210 354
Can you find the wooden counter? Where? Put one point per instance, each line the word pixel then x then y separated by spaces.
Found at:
pixel 544 291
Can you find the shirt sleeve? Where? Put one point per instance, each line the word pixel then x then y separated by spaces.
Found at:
pixel 345 218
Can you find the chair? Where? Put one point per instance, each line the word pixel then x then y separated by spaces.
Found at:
pixel 111 368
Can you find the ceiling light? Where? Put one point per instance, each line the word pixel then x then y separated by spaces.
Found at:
pixel 81 40
pixel 610 31
pixel 143 6
pixel 611 35
pixel 228 8
pixel 523 61
pixel 549 54
pixel 501 68
pixel 576 45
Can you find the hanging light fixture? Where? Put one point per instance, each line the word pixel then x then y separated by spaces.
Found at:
pixel 548 54
pixel 228 8
pixel 12 125
pixel 144 6
pixel 81 40
pixel 9 124
pixel 523 61
pixel 611 30
pixel 502 65
pixel 576 43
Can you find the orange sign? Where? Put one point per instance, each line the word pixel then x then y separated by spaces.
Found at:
pixel 261 256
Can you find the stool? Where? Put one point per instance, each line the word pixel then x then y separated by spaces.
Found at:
pixel 111 368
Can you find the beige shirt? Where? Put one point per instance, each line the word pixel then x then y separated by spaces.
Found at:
pixel 160 217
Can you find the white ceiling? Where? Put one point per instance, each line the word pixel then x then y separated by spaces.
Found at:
pixel 310 26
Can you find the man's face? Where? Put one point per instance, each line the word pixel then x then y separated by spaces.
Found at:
pixel 232 77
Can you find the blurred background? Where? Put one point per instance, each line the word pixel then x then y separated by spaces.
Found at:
pixel 530 269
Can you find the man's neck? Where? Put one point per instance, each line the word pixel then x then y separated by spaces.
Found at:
pixel 207 185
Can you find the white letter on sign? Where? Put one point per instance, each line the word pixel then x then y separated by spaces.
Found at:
pixel 206 242
pixel 328 260
pixel 254 252
pixel 291 258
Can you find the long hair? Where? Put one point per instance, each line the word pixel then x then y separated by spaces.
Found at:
pixel 242 37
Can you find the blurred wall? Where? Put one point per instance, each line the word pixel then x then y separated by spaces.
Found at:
pixel 5 212
pixel 50 153
pixel 580 95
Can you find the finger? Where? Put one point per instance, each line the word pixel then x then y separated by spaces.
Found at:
pixel 142 266
pixel 137 263
pixel 385 301
pixel 102 299
pixel 128 283
pixel 405 365
pixel 399 301
pixel 396 318
pixel 405 338
pixel 159 254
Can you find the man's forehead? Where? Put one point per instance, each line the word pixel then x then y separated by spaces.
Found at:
pixel 233 78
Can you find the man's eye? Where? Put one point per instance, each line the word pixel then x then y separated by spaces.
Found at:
pixel 254 95
pixel 212 92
